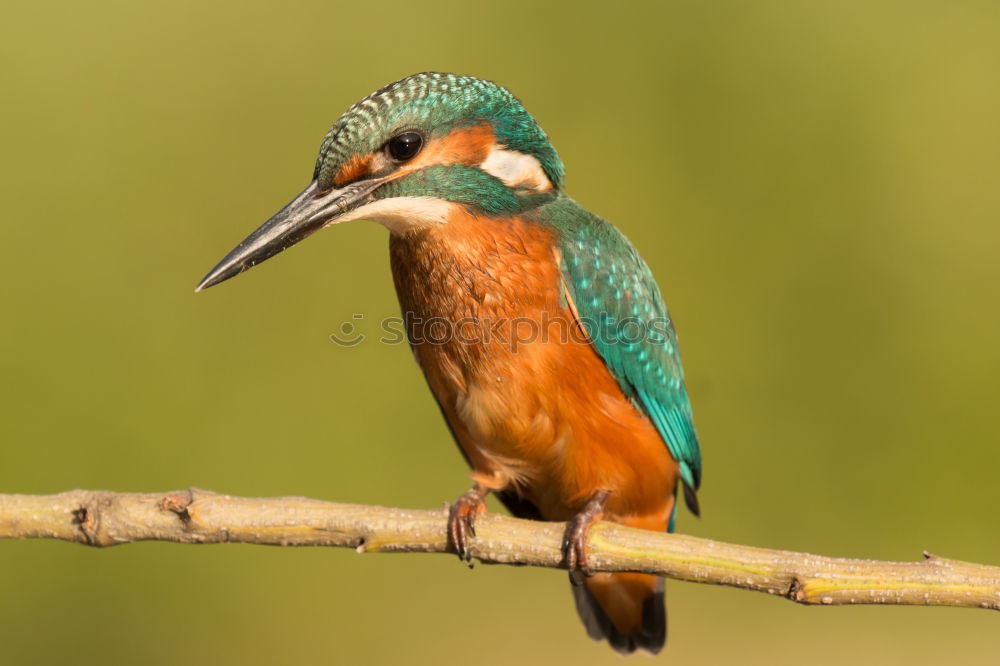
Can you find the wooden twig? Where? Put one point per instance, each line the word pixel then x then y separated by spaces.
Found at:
pixel 99 518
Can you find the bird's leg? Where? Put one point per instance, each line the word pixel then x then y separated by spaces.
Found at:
pixel 462 520
pixel 577 531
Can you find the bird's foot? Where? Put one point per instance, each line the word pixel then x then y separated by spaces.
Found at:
pixel 462 521
pixel 577 532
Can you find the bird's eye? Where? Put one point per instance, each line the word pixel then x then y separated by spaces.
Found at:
pixel 405 146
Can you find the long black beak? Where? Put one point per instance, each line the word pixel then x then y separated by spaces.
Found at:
pixel 307 213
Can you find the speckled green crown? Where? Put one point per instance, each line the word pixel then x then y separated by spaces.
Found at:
pixel 435 103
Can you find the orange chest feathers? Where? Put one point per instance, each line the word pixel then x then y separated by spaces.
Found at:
pixel 531 402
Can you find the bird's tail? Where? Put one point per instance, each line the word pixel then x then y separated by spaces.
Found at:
pixel 627 609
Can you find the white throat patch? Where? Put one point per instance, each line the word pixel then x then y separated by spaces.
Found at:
pixel 402 214
pixel 516 169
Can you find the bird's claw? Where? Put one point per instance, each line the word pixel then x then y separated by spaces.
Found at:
pixel 575 539
pixel 575 549
pixel 462 522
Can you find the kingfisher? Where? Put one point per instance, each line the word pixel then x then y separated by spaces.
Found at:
pixel 560 380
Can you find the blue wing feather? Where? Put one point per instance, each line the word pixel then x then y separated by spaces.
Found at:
pixel 620 306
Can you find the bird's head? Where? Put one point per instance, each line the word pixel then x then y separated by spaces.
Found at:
pixel 406 156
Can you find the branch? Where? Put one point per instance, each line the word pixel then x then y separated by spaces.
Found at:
pixel 99 518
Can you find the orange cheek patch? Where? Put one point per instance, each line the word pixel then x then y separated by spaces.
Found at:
pixel 468 146
pixel 354 168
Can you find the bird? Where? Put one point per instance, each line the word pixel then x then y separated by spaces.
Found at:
pixel 559 375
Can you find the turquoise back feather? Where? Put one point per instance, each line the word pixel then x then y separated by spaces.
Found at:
pixel 621 308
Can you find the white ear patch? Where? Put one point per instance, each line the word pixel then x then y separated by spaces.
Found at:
pixel 402 214
pixel 516 169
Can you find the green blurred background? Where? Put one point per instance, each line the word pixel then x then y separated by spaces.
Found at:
pixel 814 184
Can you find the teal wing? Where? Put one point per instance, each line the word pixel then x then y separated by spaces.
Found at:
pixel 619 304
